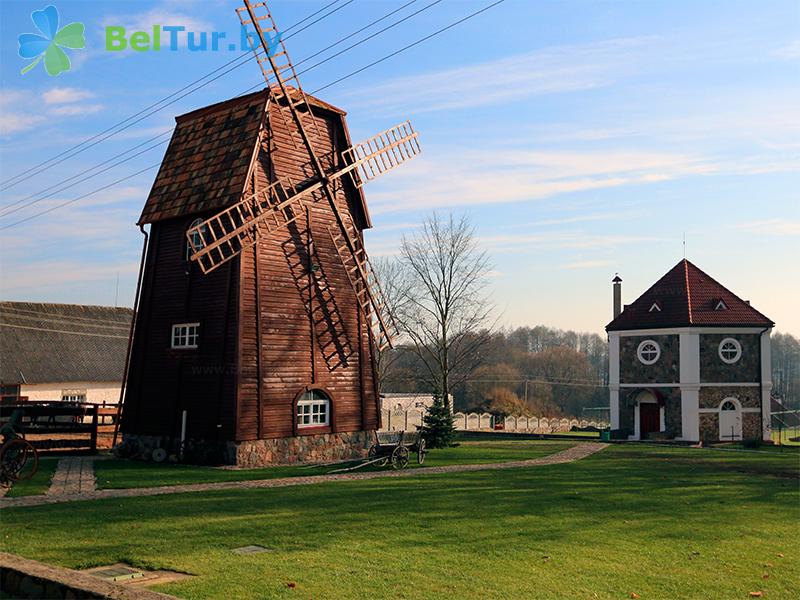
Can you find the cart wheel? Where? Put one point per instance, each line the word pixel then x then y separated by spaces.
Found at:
pixel 400 457
pixel 31 463
pixel 13 456
pixel 421 451
pixel 374 452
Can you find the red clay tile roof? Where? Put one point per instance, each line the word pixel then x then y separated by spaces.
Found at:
pixel 687 297
pixel 208 159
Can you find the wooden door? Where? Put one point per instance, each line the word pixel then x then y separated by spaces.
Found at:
pixel 648 419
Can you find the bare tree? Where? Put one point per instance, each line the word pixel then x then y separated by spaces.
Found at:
pixel 395 286
pixel 444 311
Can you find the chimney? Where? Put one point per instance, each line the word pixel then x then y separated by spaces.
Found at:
pixel 617 294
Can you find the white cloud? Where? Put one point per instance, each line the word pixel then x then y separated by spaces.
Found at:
pixel 504 175
pixel 76 110
pixel 547 71
pixel 779 227
pixel 65 95
pixel 12 119
pixel 586 264
pixel 789 51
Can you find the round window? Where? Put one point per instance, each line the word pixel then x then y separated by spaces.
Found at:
pixel 730 350
pixel 648 352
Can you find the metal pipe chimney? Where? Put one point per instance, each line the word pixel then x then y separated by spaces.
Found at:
pixel 617 294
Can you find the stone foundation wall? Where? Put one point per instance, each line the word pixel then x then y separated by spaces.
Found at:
pixel 323 447
pixel 751 426
pixel 709 427
pixel 712 397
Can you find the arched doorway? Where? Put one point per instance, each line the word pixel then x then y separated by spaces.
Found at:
pixel 730 420
pixel 649 417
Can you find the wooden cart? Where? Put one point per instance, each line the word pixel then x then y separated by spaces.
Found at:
pixel 394 447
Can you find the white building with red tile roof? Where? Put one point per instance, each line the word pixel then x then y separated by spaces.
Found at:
pixel 689 360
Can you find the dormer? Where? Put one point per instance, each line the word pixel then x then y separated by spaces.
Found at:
pixel 655 307
pixel 720 305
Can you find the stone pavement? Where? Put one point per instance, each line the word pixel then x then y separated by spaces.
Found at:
pixel 74 475
pixel 577 452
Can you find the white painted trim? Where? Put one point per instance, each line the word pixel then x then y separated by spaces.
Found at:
pixel 766 387
pixel 738 411
pixel 689 353
pixel 746 409
pixel 648 361
pixel 690 414
pixel 614 409
pixel 679 330
pixel 637 435
pixel 736 344
pixel 186 333
pixel 613 359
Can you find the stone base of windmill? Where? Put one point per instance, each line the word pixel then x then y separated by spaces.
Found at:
pixel 315 448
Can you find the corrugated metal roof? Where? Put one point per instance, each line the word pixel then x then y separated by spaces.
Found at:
pixel 686 296
pixel 48 343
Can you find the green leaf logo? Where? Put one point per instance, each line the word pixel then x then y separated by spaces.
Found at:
pixel 50 44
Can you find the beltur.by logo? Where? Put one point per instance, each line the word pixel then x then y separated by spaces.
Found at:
pixel 50 44
pixel 170 37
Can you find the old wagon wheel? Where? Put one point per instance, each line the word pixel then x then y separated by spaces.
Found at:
pixel 31 463
pixel 14 455
pixel 421 451
pixel 374 453
pixel 400 457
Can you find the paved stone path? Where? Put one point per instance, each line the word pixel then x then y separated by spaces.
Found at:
pixel 74 475
pixel 580 450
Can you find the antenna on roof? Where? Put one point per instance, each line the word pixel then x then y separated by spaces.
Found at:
pixel 684 245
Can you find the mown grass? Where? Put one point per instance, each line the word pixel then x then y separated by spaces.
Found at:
pixel 39 483
pixel 657 522
pixel 115 473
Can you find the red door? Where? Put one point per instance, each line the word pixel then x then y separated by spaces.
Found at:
pixel 648 419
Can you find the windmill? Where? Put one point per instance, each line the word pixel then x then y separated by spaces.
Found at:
pixel 221 237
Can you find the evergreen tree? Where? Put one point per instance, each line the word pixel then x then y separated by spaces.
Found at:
pixel 437 425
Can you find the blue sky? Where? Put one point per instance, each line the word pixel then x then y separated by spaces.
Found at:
pixel 583 138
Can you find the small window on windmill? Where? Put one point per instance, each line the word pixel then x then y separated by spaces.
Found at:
pixel 194 243
pixel 721 305
pixel 655 307
pixel 313 409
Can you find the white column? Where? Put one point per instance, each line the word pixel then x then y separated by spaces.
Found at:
pixel 766 387
pixel 690 413
pixel 690 386
pixel 613 378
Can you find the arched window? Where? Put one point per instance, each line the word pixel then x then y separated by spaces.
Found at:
pixel 313 409
pixel 648 352
pixel 730 350
pixel 195 240
pixel 728 405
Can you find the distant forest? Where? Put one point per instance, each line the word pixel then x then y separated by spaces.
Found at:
pixel 543 371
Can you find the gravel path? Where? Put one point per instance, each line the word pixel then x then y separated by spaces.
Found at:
pixel 580 450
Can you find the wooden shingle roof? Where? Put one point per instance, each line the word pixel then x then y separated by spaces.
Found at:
pixel 209 156
pixel 49 343
pixel 686 297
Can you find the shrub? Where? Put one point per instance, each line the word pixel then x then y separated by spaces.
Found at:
pixel 437 425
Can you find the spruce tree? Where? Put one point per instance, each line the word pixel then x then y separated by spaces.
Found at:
pixel 437 425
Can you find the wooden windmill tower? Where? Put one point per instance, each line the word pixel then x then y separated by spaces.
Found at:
pixel 259 313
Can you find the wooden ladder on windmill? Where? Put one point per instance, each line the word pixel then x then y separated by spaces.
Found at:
pixel 223 236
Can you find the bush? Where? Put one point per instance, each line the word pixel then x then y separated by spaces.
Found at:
pixel 437 425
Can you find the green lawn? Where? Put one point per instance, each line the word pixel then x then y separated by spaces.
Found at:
pixel 39 483
pixel 658 522
pixel 115 473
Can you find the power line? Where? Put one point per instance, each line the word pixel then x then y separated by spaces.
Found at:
pixel 24 175
pixel 68 202
pixel 8 212
pixel 360 70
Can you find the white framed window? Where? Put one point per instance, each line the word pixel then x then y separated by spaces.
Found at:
pixel 730 351
pixel 185 335
pixel 194 241
pixel 73 395
pixel 728 404
pixel 313 409
pixel 648 352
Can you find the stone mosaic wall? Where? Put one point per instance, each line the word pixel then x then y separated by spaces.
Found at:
pixel 709 427
pixel 304 448
pixel 712 397
pixel 665 370
pixel 751 426
pixel 745 370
